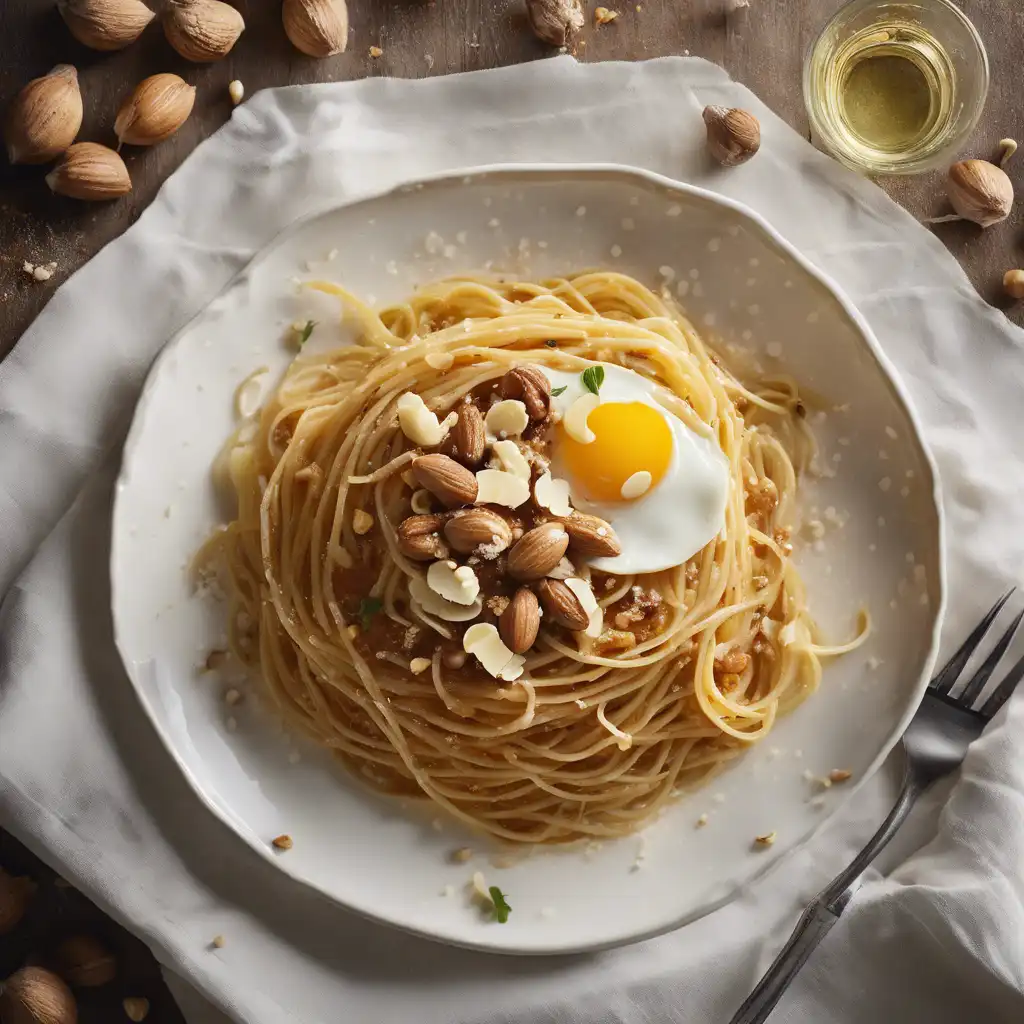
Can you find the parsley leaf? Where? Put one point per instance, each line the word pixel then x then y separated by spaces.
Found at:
pixel 501 906
pixel 593 378
pixel 306 331
pixel 368 607
pixel 555 392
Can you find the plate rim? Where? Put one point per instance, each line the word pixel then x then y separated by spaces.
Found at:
pixel 646 178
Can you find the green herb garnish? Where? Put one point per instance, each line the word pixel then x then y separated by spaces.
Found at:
pixel 306 331
pixel 555 392
pixel 368 607
pixel 593 378
pixel 501 907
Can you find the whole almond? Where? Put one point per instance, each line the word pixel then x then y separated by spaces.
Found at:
pixel 531 386
pixel 562 605
pixel 156 109
pixel 520 621
pixel 469 436
pixel 35 994
pixel 591 536
pixel 202 30
pixel 453 485
pixel 105 24
pixel 419 537
pixel 44 117
pixel 319 28
pixel 538 551
pixel 90 171
pixel 478 527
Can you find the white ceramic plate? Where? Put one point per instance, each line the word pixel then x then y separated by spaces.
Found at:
pixel 742 285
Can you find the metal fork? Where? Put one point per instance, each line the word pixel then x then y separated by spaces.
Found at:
pixel 935 744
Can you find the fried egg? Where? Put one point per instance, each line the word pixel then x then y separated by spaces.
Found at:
pixel 635 442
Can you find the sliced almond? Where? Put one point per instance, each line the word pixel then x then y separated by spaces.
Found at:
pixel 434 604
pixel 496 487
pixel 453 485
pixel 563 570
pixel 419 424
pixel 469 436
pixel 530 384
pixel 575 419
pixel 419 537
pixel 484 643
pixel 478 528
pixel 538 551
pixel 512 459
pixel 520 621
pixel 562 605
pixel 591 536
pixel 552 494
pixel 507 419
pixel 636 486
pixel 581 588
pixel 455 583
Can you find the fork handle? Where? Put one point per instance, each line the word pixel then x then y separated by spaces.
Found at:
pixel 824 910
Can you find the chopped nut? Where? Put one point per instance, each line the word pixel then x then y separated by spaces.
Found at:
pixel 136 1008
pixel 236 91
pixel 375 52
pixel 602 16
pixel 462 855
pixel 765 840
pixel 701 821
pixel 362 522
pixel 418 665
pixel 734 661
pixel 217 942
pixel 282 842
pixel 839 775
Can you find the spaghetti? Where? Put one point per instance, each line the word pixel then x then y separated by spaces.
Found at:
pixel 597 733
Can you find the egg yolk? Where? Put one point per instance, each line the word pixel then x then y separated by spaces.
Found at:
pixel 629 437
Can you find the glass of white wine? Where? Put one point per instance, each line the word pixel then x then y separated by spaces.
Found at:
pixel 896 88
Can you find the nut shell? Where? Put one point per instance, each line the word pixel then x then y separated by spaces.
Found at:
pixel 156 109
pixel 554 21
pixel 538 551
pixel 980 191
pixel 91 172
pixel 105 24
pixel 85 962
pixel 319 28
pixel 45 117
pixel 520 621
pixel 734 135
pixel 34 995
pixel 202 30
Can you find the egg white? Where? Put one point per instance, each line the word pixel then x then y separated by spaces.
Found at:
pixel 681 513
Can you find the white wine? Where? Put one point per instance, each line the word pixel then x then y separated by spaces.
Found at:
pixel 887 92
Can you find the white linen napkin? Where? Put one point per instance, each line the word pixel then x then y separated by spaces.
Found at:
pixel 85 782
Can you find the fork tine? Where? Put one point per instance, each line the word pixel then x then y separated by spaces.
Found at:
pixel 976 684
pixel 1002 692
pixel 950 672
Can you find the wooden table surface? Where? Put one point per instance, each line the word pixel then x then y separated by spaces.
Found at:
pixel 761 44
